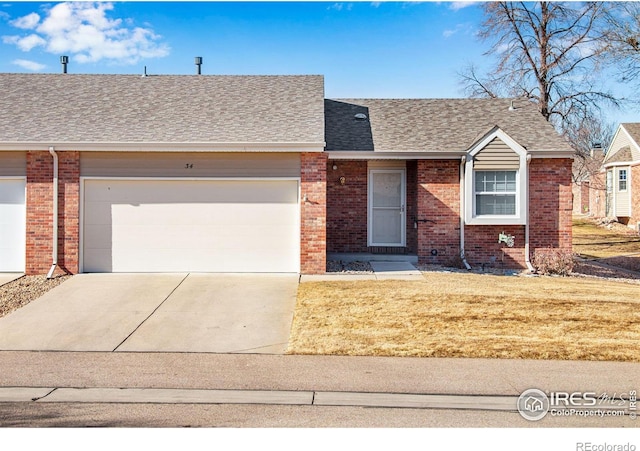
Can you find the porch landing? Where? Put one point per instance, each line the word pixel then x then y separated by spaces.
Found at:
pixel 365 257
pixel 398 267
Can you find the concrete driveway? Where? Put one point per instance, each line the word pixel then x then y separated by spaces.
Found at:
pixel 225 313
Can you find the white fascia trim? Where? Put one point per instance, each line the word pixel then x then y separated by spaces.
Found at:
pixel 399 155
pixel 497 133
pixel 621 163
pixel 522 181
pixel 608 153
pixel 615 137
pixel 165 147
pixel 552 154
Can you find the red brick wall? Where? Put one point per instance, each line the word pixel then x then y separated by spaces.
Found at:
pixel 438 202
pixel 483 250
pixel 412 206
pixel 550 203
pixel 40 212
pixel 597 195
pixel 69 211
pixel 581 197
pixel 635 196
pixel 313 233
pixel 347 206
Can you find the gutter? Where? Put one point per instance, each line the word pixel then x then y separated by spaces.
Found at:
pixel 239 147
pixel 463 160
pixel 55 212
pixel 527 257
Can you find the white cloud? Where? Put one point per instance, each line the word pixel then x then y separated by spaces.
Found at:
pixel 461 27
pixel 29 65
pixel 376 4
pixel 25 43
pixel 460 5
pixel 340 7
pixel 84 30
pixel 27 22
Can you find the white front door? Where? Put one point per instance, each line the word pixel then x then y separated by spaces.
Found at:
pixel 12 225
pixel 387 216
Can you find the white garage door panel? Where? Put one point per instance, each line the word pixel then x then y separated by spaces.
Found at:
pixel 177 225
pixel 12 225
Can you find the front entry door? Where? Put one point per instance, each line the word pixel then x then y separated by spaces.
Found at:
pixel 387 217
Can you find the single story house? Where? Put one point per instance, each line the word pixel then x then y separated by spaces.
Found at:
pixel 621 173
pixel 128 173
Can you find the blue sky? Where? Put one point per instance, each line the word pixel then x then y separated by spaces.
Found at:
pixel 364 49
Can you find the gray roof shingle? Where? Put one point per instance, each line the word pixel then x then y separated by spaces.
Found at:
pixel 434 125
pixel 163 109
pixel 622 155
pixel 633 128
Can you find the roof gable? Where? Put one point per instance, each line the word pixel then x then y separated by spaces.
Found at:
pixel 624 145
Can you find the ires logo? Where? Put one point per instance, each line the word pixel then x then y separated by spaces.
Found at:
pixel 534 404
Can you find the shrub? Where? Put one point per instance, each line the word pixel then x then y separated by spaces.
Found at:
pixel 550 261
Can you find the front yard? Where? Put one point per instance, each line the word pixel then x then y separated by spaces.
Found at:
pixel 470 315
pixel 613 244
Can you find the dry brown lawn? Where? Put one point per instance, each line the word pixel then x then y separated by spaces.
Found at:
pixel 593 241
pixel 470 315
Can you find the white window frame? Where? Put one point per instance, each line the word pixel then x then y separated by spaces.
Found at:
pixel 626 180
pixel 493 193
pixel 522 184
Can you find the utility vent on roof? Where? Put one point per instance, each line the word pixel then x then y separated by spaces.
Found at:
pixel 360 116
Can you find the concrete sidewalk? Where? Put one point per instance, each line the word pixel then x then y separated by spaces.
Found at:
pixel 330 380
pixel 382 270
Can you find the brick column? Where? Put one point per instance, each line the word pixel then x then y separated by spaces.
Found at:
pixel 438 202
pixel 313 221
pixel 40 211
pixel 68 212
pixel 550 204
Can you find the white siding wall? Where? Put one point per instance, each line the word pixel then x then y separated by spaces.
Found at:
pixel 496 156
pixel 623 198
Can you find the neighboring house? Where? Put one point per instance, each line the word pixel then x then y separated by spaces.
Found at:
pixel 585 168
pixel 621 176
pixel 263 174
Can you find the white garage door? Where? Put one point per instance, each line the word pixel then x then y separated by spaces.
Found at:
pixel 12 225
pixel 191 225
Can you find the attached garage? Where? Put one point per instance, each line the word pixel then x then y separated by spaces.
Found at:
pixel 12 224
pixel 178 225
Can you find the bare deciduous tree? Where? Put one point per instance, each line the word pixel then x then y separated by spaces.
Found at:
pixel 623 36
pixel 548 52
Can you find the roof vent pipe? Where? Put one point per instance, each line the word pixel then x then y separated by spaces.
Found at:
pixel 64 60
pixel 198 60
pixel 512 107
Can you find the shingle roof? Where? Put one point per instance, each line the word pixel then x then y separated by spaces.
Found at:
pixel 622 155
pixel 167 109
pixel 633 128
pixel 434 125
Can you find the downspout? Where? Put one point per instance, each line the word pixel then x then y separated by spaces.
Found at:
pixel 527 257
pixel 55 212
pixel 463 161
